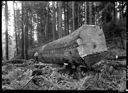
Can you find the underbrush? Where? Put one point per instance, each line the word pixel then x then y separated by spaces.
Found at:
pixel 50 78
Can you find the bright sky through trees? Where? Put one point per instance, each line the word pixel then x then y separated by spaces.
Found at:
pixel 11 19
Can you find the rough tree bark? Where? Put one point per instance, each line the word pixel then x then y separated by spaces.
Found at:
pixel 6 18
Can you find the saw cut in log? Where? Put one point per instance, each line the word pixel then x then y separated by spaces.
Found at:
pixel 92 40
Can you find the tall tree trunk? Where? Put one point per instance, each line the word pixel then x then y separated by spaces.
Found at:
pixel 60 19
pixel 48 37
pixel 90 13
pixel 87 12
pixel 47 23
pixel 57 18
pixel 93 14
pixel 18 29
pixel 6 25
pixel 73 16
pixel 85 9
pixel 115 13
pixel 54 21
pixel 78 13
pixel 15 23
pixel 46 27
pixel 121 14
pixel 68 22
pixel 64 19
pixel 31 30
pixel 26 33
pixel 22 30
pixel 67 19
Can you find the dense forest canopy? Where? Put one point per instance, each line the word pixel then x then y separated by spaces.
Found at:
pixel 28 24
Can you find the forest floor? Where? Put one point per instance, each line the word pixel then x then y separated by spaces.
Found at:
pixel 48 77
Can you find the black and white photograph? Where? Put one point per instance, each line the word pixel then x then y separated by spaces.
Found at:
pixel 64 45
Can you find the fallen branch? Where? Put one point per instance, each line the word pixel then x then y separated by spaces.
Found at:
pixel 28 82
pixel 82 82
pixel 14 61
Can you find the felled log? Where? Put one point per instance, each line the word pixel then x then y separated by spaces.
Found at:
pixel 92 42
pixel 86 40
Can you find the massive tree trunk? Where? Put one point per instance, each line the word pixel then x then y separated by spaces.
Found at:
pixel 6 18
pixel 92 42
